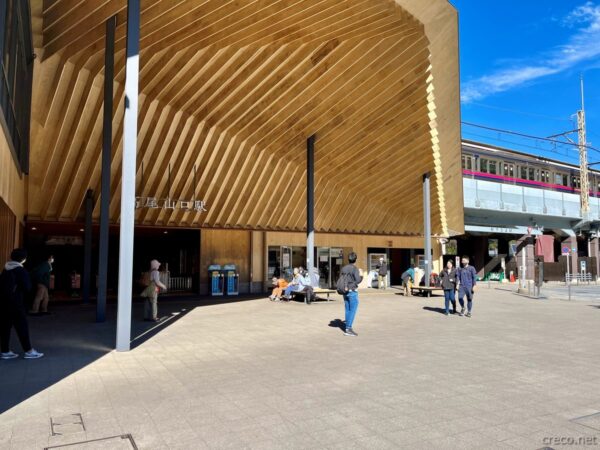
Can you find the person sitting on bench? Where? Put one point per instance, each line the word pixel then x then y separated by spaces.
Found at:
pixel 279 285
pixel 300 284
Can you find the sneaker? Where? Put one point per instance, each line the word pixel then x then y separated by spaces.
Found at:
pixel 462 312
pixel 33 354
pixel 350 332
pixel 446 313
pixel 468 314
pixel 8 355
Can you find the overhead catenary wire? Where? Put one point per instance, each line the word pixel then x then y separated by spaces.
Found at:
pixel 528 136
pixel 521 145
pixel 524 113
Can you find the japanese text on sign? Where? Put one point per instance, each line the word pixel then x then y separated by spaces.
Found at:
pixel 170 203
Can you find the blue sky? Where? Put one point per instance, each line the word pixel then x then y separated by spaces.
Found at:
pixel 520 67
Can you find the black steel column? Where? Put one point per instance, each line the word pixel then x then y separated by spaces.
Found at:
pixel 310 205
pixel 427 226
pixel 109 68
pixel 87 245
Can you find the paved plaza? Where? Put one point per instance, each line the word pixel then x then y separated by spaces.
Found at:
pixel 521 373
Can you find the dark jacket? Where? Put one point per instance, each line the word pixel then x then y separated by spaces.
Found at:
pixel 449 279
pixel 352 274
pixel 41 274
pixel 467 276
pixel 14 284
pixel 383 269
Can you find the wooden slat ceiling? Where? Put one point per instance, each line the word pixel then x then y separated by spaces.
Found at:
pixel 233 89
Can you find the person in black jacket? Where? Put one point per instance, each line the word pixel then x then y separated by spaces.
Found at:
pixel 448 279
pixel 352 278
pixel 14 284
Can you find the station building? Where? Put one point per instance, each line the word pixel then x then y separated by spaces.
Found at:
pixel 233 98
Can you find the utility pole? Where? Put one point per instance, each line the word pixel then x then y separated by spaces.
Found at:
pixel 583 160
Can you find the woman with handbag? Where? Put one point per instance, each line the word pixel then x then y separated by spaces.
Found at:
pixel 151 293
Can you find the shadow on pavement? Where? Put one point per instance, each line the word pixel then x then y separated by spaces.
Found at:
pixel 338 323
pixel 432 309
pixel 71 339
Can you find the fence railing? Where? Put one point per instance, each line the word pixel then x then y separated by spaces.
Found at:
pixel 584 277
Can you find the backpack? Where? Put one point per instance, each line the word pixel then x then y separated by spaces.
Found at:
pixel 341 286
pixel 145 280
pixel 8 284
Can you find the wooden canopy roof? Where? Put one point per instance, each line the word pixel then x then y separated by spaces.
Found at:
pixel 233 89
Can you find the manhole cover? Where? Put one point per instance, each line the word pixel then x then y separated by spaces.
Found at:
pixel 122 442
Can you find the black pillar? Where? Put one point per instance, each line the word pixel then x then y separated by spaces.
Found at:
pixel 310 205
pixel 109 68
pixel 87 245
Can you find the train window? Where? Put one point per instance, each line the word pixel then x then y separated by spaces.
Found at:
pixel 509 170
pixel 531 173
pixel 483 165
pixel 493 167
pixel 523 172
pixel 544 176
pixel 467 162
pixel 565 180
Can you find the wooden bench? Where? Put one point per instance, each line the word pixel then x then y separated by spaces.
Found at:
pixel 317 292
pixel 425 291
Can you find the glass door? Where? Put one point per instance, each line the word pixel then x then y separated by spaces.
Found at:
pixel 286 263
pixel 324 265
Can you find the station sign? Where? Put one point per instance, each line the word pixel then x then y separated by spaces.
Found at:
pixel 566 250
pixel 170 203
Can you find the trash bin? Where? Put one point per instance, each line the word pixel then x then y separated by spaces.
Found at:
pixel 216 279
pixel 231 279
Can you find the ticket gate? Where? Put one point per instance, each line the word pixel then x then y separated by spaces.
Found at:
pixel 217 280
pixel 232 278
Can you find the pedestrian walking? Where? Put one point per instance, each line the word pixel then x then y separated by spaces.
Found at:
pixel 347 285
pixel 467 279
pixel 151 293
pixel 14 284
pixel 382 272
pixel 41 276
pixel 449 281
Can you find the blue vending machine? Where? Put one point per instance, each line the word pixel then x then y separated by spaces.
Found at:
pixel 216 279
pixel 232 279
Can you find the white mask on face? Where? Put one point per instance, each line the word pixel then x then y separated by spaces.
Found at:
pixel 51 261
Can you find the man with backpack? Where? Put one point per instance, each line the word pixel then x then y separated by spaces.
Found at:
pixel 14 284
pixel 347 285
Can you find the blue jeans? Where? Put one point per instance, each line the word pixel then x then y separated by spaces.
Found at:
pixel 351 305
pixel 468 292
pixel 288 290
pixel 449 295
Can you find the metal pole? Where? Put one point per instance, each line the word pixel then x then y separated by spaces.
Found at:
pixel 427 226
pixel 310 206
pixel 128 176
pixel 524 262
pixel 87 247
pixel 109 68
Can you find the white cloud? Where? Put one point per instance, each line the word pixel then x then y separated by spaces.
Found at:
pixel 582 46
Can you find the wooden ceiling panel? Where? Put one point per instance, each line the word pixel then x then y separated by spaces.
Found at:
pixel 229 93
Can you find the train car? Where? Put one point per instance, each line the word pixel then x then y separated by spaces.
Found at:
pixel 501 165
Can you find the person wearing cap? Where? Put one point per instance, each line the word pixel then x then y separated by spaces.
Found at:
pixel 14 284
pixel 151 293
